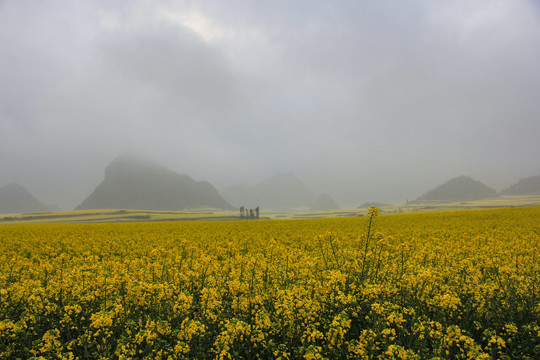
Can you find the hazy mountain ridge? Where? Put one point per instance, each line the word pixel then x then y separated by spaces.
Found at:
pixel 134 183
pixel 324 202
pixel 16 199
pixel 368 204
pixel 525 186
pixel 282 191
pixel 461 188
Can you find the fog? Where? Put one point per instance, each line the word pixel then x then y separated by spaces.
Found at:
pixel 364 100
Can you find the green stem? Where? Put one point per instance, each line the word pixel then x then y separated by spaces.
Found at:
pixel 367 244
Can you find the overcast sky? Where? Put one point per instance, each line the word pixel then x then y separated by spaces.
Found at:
pixel 364 100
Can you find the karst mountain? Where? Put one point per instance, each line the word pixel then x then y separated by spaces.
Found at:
pixel 462 188
pixel 280 192
pixel 134 183
pixel 526 186
pixel 15 199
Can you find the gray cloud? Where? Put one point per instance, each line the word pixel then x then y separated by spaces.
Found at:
pixel 363 100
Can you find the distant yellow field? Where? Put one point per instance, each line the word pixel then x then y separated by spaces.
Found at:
pixel 448 285
pixel 122 215
pixel 116 215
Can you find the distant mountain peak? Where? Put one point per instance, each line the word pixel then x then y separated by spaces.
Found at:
pixel 15 199
pixel 14 188
pixel 324 202
pixel 130 164
pixel 461 188
pixel 133 182
pixel 368 204
pixel 283 191
pixel 526 186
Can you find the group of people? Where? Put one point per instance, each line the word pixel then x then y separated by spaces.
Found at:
pixel 249 214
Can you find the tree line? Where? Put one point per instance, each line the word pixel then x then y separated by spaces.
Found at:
pixel 249 214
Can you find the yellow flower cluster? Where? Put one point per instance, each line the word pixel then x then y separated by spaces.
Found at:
pixel 450 285
pixel 373 211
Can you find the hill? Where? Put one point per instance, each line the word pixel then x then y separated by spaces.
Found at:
pixel 324 202
pixel 526 186
pixel 372 203
pixel 283 191
pixel 462 188
pixel 15 199
pixel 134 183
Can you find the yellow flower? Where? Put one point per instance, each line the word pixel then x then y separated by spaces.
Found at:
pixel 373 211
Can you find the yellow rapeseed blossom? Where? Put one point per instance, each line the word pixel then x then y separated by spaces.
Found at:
pixel 373 211
pixel 461 284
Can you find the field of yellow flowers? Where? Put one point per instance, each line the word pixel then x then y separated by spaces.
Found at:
pixel 448 285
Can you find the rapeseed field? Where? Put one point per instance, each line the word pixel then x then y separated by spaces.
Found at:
pixel 445 285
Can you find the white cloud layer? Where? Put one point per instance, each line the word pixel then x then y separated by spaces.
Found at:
pixel 363 100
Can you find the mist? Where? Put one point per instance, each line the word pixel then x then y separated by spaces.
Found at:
pixel 363 100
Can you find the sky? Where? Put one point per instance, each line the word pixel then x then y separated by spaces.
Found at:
pixel 364 100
